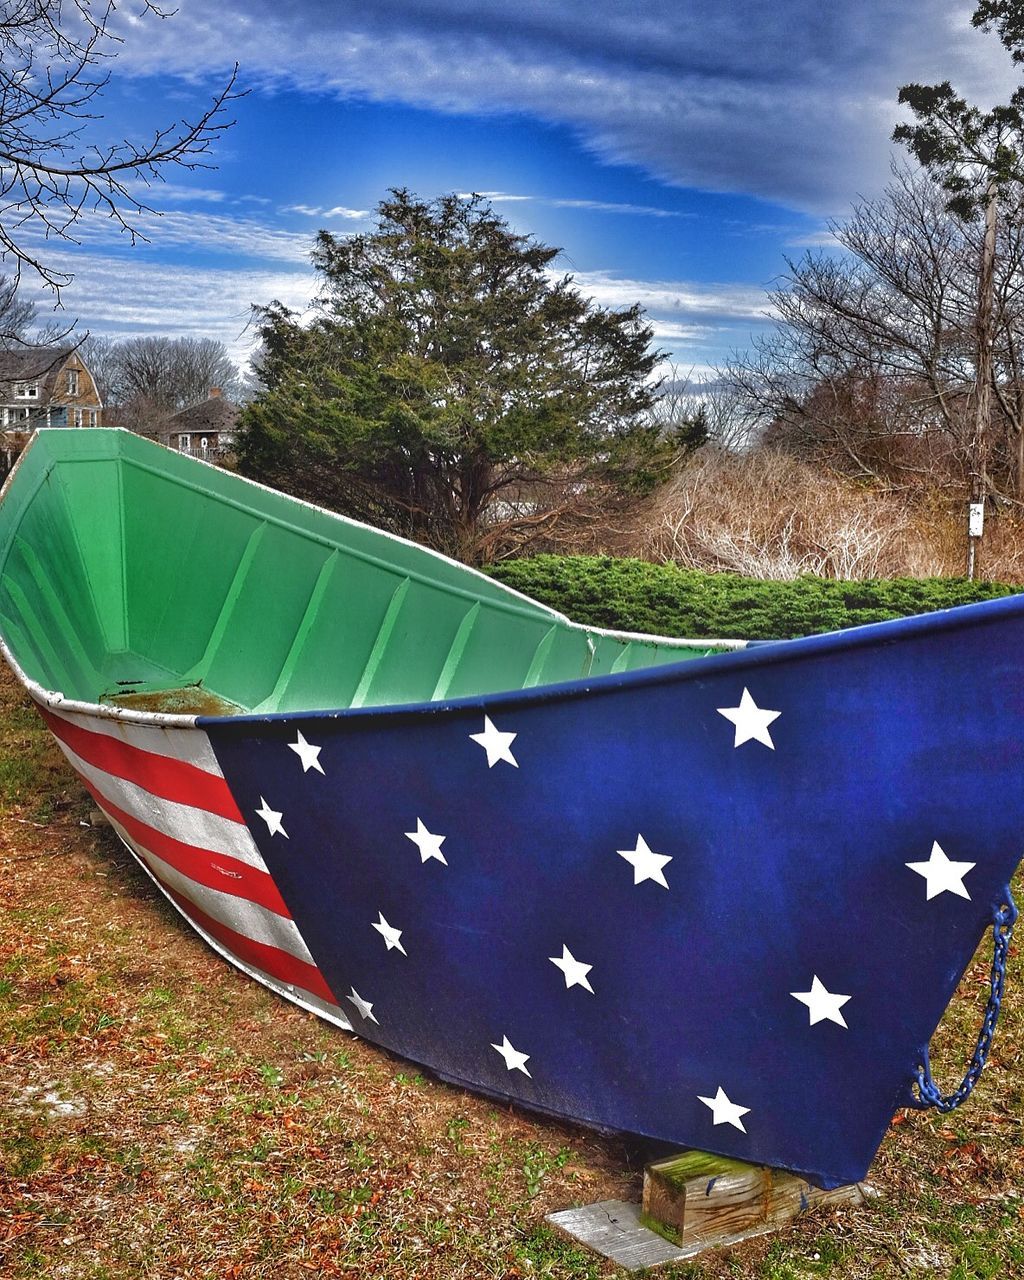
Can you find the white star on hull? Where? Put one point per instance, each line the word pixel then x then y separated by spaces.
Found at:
pixel 751 721
pixel 514 1060
pixel 723 1111
pixel 823 1005
pixel 393 937
pixel 363 1007
pixel 497 744
pixel 307 753
pixel 646 864
pixel 942 874
pixel 574 972
pixel 428 844
pixel 272 818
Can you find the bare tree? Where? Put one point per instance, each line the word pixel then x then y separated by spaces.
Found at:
pixel 700 409
pixel 16 315
pixel 873 359
pixel 151 378
pixel 55 165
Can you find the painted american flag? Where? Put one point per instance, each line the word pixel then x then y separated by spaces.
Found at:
pixel 723 904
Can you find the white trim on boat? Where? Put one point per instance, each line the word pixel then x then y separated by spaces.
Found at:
pixel 56 701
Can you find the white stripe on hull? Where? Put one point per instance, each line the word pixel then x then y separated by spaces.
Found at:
pixel 239 914
pixel 201 829
pixel 297 995
pixel 182 822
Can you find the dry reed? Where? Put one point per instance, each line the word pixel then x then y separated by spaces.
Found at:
pixel 767 515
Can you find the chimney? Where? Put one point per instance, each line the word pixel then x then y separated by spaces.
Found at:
pixel 215 393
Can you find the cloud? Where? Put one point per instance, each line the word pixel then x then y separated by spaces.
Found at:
pixel 670 300
pixel 339 211
pixel 822 238
pixel 673 331
pixel 126 295
pixel 495 197
pixel 793 102
pixel 160 192
pixel 604 206
pixel 205 233
pixel 118 297
pixel 597 206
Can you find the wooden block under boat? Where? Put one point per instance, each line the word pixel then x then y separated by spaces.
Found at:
pixel 695 1198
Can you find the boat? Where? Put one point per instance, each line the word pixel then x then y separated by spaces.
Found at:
pixel 713 893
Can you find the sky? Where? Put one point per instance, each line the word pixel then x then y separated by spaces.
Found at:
pixel 676 150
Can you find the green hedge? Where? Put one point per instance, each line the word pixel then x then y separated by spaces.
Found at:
pixel 634 595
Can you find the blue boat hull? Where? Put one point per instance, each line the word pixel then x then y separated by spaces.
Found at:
pixel 630 897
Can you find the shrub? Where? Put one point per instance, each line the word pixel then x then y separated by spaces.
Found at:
pixel 635 595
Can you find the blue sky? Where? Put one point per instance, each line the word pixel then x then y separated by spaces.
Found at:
pixel 675 149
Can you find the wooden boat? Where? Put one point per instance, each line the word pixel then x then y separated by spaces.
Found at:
pixel 710 893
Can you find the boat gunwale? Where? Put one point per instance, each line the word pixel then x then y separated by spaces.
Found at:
pixel 755 653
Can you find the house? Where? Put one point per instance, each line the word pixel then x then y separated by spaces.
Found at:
pixel 204 430
pixel 46 387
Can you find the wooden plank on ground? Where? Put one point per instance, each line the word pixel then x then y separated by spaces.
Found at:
pixel 613 1229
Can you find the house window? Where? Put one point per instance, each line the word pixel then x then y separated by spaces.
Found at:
pixel 184 442
pixel 92 417
pixel 78 417
pixel 72 382
pixel 26 391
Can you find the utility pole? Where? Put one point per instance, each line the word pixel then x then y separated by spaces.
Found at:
pixel 983 385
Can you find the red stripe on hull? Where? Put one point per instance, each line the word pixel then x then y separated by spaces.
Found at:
pixel 214 870
pixel 272 960
pixel 163 776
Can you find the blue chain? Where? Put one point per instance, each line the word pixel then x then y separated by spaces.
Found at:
pixel 1003 920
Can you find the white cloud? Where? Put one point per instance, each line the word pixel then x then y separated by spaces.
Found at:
pixel 603 206
pixel 495 197
pixel 667 299
pixel 122 296
pixel 339 211
pixel 159 192
pixel 794 101
pixel 134 294
pixel 674 331
pixel 187 229
pixel 820 239
pixel 558 202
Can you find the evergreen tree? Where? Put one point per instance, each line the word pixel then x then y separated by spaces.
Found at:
pixel 448 381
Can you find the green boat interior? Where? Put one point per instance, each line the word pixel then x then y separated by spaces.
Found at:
pixel 134 576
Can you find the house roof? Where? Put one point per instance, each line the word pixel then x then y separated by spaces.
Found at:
pixel 26 364
pixel 215 414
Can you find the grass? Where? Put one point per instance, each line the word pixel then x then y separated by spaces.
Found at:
pixel 163 1116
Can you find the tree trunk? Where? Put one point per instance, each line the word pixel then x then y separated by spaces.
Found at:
pixel 1018 469
pixel 983 399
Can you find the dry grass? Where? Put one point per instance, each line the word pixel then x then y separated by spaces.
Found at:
pixel 165 1117
pixel 768 515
